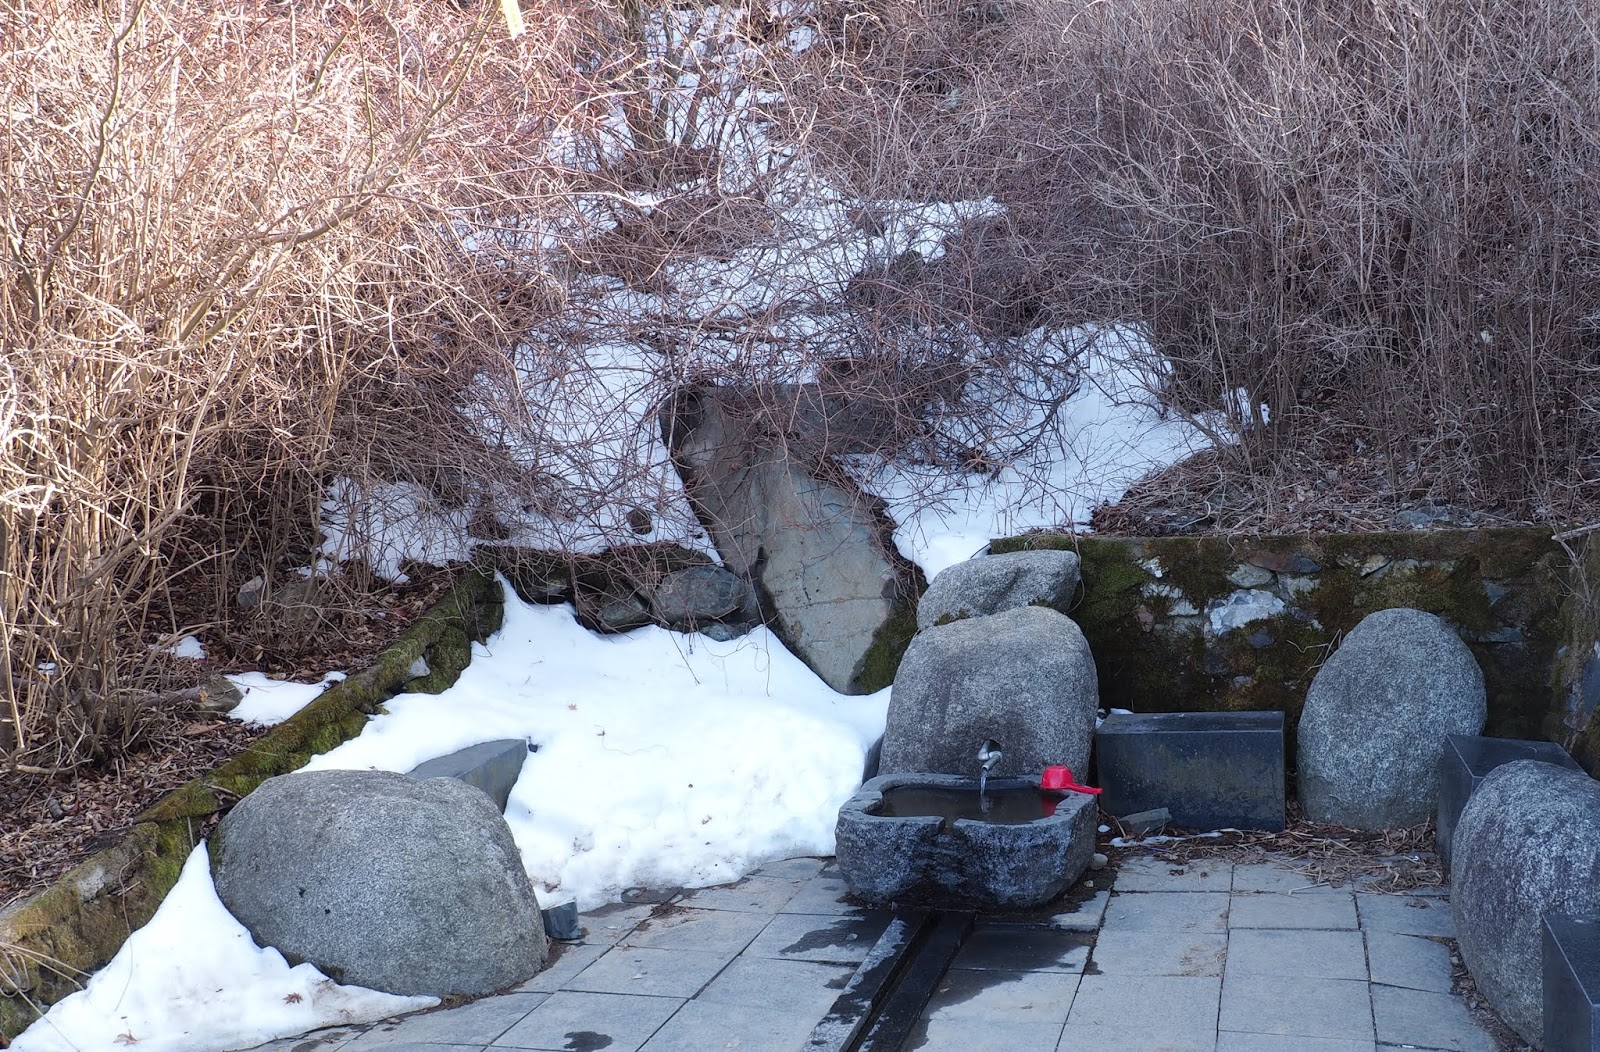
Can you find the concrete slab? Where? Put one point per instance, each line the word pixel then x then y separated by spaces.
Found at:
pixel 977 1035
pixel 707 931
pixel 801 867
pixel 648 971
pixel 1405 914
pixel 614 1022
pixel 1330 910
pixel 1006 997
pixel 1177 1010
pixel 1152 874
pixel 1087 916
pixel 565 963
pixel 1302 954
pixel 1013 947
pixel 804 986
pixel 1296 1006
pixel 1229 1041
pixel 702 1027
pixel 1080 1037
pixel 1424 1019
pixel 825 894
pixel 475 1024
pixel 1159 953
pixel 608 924
pixel 1174 911
pixel 751 895
pixel 1272 876
pixel 835 940
pixel 1411 961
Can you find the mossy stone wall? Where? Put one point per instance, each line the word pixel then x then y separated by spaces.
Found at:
pixel 51 942
pixel 1156 613
pixel 1575 682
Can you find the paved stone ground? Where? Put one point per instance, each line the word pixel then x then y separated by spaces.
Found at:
pixel 1213 957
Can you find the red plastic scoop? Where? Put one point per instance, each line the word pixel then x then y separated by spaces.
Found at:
pixel 1060 779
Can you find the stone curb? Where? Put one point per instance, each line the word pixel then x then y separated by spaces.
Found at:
pixel 49 943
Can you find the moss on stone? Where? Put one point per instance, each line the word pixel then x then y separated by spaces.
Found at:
pixel 889 642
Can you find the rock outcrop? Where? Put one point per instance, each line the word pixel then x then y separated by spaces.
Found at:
pixel 816 549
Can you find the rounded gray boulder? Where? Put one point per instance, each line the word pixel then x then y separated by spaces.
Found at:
pixel 1023 677
pixel 1528 843
pixel 1376 717
pixel 980 587
pixel 381 880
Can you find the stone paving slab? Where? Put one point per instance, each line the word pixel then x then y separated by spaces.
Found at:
pixel 1151 874
pixel 1009 997
pixel 1296 1006
pixel 476 1024
pixel 703 1027
pixel 833 940
pixel 1423 1019
pixel 645 970
pixel 1175 911
pixel 1297 953
pixel 1139 953
pixel 1203 958
pixel 1176 1009
pixel 1405 914
pixel 1411 961
pixel 1274 910
pixel 1009 947
pixel 569 1020
pixel 707 931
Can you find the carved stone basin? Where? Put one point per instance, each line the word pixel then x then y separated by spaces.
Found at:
pixel 928 840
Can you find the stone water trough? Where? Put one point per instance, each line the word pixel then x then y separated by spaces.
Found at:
pixel 927 839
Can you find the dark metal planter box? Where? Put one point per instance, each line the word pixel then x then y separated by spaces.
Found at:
pixel 1571 984
pixel 1211 770
pixel 1467 760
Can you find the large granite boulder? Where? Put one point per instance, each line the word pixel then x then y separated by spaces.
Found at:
pixel 1023 677
pixel 979 587
pixel 383 881
pixel 1376 717
pixel 1527 844
pixel 818 551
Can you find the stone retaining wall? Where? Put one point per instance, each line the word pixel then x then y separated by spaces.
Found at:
pixel 1219 623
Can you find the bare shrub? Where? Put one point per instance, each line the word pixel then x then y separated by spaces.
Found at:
pixel 1364 231
pixel 228 277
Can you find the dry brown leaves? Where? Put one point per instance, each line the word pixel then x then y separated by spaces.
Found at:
pixel 1390 860
pixel 49 823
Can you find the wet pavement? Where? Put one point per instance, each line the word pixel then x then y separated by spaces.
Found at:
pixel 1208 957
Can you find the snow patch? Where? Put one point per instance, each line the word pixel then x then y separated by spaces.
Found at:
pixel 268 701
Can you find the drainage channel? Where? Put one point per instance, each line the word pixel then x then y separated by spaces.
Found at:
pixel 881 1007
pixel 884 1000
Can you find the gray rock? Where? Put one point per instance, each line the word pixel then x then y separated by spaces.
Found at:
pixel 699 595
pixel 1247 575
pixel 1528 843
pixel 1023 677
pixel 962 863
pixel 380 880
pixel 1376 717
pixel 492 767
pixel 988 585
pixel 819 553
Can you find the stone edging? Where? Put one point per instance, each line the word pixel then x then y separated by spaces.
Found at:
pixel 51 941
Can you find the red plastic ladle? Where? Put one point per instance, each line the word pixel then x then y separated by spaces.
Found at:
pixel 1060 779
